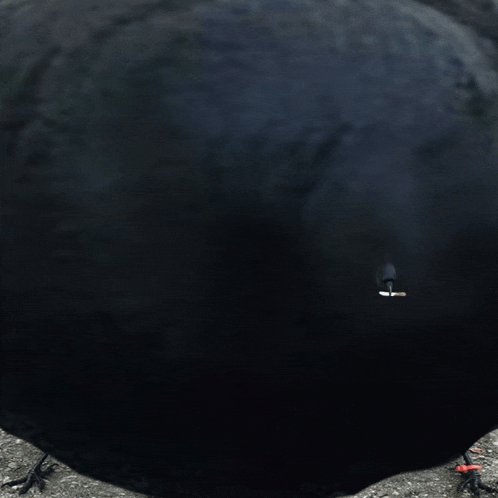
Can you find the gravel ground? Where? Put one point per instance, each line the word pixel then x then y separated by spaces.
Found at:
pixel 442 481
pixel 17 456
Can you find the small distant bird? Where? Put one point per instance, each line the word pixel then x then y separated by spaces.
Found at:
pixel 387 276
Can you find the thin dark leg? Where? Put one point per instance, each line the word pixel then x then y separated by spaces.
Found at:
pixel 473 480
pixel 35 476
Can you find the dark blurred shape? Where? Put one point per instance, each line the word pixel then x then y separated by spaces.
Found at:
pixel 194 198
pixel 387 276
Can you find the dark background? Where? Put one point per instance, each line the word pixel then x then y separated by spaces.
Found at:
pixel 208 238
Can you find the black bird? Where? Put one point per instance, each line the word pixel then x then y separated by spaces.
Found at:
pixel 194 200
pixel 387 276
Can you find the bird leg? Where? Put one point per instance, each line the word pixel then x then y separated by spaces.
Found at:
pixel 35 476
pixel 472 478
